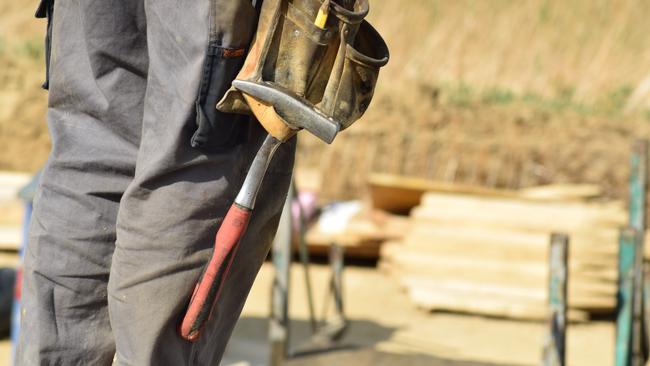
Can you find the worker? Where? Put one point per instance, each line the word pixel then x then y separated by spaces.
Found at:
pixel 150 145
pixel 137 180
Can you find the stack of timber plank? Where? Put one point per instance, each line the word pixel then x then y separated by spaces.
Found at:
pixel 488 253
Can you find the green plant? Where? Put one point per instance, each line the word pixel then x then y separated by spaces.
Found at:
pixel 460 94
pixel 32 49
pixel 544 13
pixel 615 100
pixel 496 95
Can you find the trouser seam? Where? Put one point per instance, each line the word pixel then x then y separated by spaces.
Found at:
pixel 193 350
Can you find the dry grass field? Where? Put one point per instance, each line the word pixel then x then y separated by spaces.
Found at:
pixel 499 93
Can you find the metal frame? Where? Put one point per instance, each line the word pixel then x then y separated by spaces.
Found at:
pixel 324 333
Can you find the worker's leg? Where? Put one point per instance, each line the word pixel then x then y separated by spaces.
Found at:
pixel 97 86
pixel 169 214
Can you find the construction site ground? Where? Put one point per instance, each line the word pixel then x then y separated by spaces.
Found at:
pixel 385 329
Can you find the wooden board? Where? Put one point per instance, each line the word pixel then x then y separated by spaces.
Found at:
pixel 577 284
pixel 488 253
pixel 486 262
pixel 11 183
pixel 543 217
pixel 506 242
pixel 562 192
pixel 399 194
pixel 11 238
pixel 505 294
pixel 465 303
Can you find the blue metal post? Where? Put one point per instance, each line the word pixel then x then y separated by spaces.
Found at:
pixel 638 184
pixel 626 259
pixel 637 213
pixel 555 347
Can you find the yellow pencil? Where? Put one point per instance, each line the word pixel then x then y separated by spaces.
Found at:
pixel 323 12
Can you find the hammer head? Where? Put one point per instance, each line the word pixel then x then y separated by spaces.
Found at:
pixel 296 111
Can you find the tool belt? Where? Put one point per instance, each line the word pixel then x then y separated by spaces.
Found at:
pixel 322 52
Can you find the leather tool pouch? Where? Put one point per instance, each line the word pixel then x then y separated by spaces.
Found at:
pixel 351 83
pixel 334 68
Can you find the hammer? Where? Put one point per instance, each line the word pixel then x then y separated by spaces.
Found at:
pixel 296 114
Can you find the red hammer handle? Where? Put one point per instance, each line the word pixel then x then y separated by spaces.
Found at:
pixel 208 288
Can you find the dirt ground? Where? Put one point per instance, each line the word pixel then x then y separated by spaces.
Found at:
pixel 387 330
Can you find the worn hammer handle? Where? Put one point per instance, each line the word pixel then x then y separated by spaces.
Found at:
pixel 210 284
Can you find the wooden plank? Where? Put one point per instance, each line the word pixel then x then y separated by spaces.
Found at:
pixel 493 251
pixel 578 286
pixel 513 294
pixel 488 307
pixel 11 238
pixel 562 192
pixel 409 259
pixel 11 183
pixel 12 212
pixel 438 262
pixel 599 240
pixel 501 252
pixel 503 204
pixel 361 250
pixel 399 194
pixel 515 214
pixel 502 242
pixel 484 252
pixel 469 301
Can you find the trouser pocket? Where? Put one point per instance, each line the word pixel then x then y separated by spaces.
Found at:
pixel 216 130
pixel 46 10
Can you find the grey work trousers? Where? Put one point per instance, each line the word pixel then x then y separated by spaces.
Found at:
pixel 142 171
